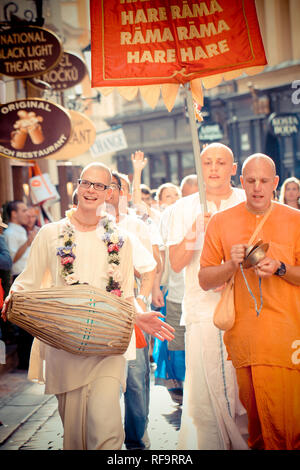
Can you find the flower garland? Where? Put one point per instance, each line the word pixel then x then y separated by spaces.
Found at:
pixel 67 255
pixel 113 242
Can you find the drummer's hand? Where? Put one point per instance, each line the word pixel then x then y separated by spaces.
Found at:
pixel 150 323
pixel 266 267
pixel 4 308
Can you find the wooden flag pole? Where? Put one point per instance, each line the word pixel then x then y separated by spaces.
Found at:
pixel 196 146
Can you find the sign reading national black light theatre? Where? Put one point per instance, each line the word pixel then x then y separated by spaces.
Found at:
pixel 33 128
pixel 28 51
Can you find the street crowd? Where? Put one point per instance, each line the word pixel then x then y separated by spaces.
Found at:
pixel 239 388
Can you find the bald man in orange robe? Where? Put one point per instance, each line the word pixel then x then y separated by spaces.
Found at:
pixel 264 345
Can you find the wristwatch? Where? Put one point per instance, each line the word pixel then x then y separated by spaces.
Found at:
pixel 143 298
pixel 281 270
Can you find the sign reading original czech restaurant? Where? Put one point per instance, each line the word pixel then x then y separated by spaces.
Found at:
pixel 28 51
pixel 33 128
pixel 70 71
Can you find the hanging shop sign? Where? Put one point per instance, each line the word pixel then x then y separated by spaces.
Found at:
pixel 70 71
pixel 33 128
pixel 284 125
pixel 109 141
pixel 210 132
pixel 82 137
pixel 28 51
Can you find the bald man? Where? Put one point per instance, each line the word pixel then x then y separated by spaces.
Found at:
pixel 211 410
pixel 87 387
pixel 264 343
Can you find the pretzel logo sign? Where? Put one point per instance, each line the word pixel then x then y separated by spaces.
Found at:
pixel 28 124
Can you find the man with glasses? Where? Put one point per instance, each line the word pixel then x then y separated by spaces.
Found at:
pixel 87 387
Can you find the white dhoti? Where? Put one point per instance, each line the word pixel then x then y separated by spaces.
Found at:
pixel 212 415
pixel 89 419
pixel 87 387
pixel 88 392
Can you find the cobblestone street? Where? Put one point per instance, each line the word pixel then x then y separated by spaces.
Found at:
pixel 30 420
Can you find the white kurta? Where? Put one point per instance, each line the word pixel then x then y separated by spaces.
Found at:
pixel 15 236
pixel 59 370
pixel 132 224
pixel 211 413
pixel 175 281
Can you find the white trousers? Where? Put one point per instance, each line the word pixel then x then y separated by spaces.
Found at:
pixel 211 411
pixel 91 416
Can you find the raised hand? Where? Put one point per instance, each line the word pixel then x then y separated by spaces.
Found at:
pixel 138 160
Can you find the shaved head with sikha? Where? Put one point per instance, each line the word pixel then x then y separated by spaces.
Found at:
pixel 218 167
pixel 259 180
pixel 258 159
pixel 218 147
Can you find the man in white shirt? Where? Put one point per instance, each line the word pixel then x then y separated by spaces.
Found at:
pixel 211 408
pixel 136 397
pixel 16 236
pixel 18 242
pixel 170 357
pixel 87 387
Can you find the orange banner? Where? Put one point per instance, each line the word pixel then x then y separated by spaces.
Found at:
pixel 140 42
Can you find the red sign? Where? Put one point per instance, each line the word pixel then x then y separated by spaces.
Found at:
pixel 170 41
pixel 33 128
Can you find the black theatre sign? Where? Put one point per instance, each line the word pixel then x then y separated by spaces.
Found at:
pixel 28 51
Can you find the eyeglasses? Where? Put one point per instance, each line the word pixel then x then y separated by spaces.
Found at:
pixel 115 186
pixel 87 184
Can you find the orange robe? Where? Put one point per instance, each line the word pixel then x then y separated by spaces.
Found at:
pixel 273 337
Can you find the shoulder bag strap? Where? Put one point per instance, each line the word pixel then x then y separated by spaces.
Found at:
pixel 258 228
pixel 253 236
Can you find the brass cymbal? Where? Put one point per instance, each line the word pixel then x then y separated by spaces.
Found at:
pixel 255 255
pixel 252 247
